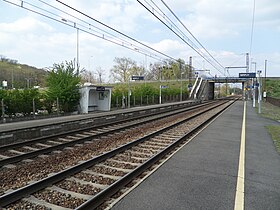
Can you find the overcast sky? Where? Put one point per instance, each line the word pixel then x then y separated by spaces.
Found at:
pixel 222 26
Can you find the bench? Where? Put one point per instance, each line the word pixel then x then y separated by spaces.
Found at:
pixel 92 107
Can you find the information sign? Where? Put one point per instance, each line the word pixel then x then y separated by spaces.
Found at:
pixel 137 77
pixel 100 88
pixel 247 75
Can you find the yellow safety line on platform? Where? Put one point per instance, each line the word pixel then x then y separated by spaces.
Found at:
pixel 239 196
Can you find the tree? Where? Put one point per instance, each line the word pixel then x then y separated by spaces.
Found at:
pixel 100 73
pixel 168 70
pixel 87 76
pixel 62 83
pixel 154 72
pixel 123 69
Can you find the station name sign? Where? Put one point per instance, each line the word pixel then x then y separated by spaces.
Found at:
pixel 100 88
pixel 137 77
pixel 247 75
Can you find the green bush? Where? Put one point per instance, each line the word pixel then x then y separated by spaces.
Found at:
pixel 62 84
pixel 146 93
pixel 19 101
pixel 273 88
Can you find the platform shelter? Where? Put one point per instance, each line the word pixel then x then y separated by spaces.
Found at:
pixel 95 98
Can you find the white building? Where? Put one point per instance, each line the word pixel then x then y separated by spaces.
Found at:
pixel 95 98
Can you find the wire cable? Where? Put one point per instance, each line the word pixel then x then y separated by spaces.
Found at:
pixel 115 30
pixel 178 36
pixel 83 30
pixel 191 33
pixel 252 27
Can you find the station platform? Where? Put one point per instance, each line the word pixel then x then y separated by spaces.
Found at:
pixel 25 130
pixel 204 173
pixel 6 127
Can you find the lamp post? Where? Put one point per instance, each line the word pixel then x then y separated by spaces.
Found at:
pixel 181 92
pixel 160 72
pixel 260 91
pixel 75 26
pixel 255 63
pixel 129 93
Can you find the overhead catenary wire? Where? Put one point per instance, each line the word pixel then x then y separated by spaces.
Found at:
pixel 122 41
pixel 90 25
pixel 117 31
pixel 173 25
pixel 164 16
pixel 252 28
pixel 79 26
pixel 191 33
pixel 83 30
pixel 179 37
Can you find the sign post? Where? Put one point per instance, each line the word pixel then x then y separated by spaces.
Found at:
pixel 260 93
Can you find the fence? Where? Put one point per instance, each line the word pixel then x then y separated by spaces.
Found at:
pixel 274 101
pixel 36 111
pixel 119 102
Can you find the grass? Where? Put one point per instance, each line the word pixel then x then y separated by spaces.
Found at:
pixel 272 112
pixel 275 134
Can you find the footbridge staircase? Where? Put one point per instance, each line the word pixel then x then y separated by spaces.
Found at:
pixel 203 88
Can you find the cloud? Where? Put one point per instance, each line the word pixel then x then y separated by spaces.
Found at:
pixel 214 19
pixel 122 15
pixel 168 45
pixel 41 42
pixel 24 25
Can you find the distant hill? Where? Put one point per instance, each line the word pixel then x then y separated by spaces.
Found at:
pixel 22 75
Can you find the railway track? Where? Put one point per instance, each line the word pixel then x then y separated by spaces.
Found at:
pixel 89 183
pixel 14 153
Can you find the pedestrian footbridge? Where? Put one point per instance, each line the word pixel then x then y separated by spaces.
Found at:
pixel 203 88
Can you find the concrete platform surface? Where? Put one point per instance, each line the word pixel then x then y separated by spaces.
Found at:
pixel 203 174
pixel 14 126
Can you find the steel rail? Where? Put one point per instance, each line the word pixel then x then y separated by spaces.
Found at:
pixel 120 112
pixel 11 197
pixel 116 186
pixel 24 143
pixel 38 152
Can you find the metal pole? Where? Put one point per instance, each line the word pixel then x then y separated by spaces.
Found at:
pixel 77 51
pixel 57 105
pixel 260 93
pixel 3 111
pixel 160 85
pixel 33 104
pixel 181 89
pixel 190 70
pixel 12 78
pixel 128 96
pixel 254 95
pixel 226 87
pixel 247 62
pixel 134 100
pixel 265 64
